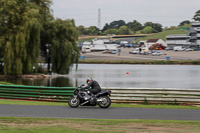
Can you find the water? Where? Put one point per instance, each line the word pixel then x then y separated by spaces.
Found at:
pixel 115 75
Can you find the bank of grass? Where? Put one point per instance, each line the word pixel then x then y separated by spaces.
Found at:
pixel 5 83
pixel 20 102
pixel 162 35
pixel 160 62
pixel 61 125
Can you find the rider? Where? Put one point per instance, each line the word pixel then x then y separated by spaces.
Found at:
pixel 95 87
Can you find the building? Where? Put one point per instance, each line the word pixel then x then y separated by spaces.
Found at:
pixel 191 39
pixel 177 40
pixel 194 34
pixel 98 44
pixel 150 42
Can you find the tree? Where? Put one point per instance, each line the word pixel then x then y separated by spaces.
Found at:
pixel 45 19
pixel 165 29
pixel 20 36
pixel 111 31
pixel 147 30
pixel 123 30
pixel 172 27
pixel 106 27
pixel 116 24
pixel 184 22
pixel 64 51
pixel 26 27
pixel 197 16
pixel 92 30
pixel 135 26
pixel 82 30
pixel 156 27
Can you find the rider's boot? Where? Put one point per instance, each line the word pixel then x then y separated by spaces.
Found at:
pixel 93 97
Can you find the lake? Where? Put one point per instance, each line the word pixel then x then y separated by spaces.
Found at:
pixel 124 75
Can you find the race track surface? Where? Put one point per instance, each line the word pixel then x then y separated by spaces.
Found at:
pixel 97 113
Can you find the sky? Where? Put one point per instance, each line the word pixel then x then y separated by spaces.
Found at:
pixel 86 12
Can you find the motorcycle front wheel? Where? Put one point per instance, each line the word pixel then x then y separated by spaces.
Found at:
pixel 105 102
pixel 74 102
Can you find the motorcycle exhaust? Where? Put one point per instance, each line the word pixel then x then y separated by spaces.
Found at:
pixel 99 100
pixel 84 103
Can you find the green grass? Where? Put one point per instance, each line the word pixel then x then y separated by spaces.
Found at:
pixel 161 62
pixel 162 35
pixel 88 39
pixel 62 125
pixel 5 83
pixel 19 102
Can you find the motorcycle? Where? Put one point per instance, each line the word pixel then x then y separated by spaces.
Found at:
pixel 82 97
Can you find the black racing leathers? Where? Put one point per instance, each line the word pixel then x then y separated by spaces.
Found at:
pixel 95 87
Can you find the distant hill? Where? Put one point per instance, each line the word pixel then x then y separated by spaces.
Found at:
pixel 162 35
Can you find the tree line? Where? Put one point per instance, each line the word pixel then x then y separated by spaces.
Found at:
pixel 120 27
pixel 27 27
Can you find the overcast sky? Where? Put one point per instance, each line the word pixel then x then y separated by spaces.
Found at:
pixel 166 12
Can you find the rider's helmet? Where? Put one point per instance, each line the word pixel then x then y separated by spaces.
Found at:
pixel 89 80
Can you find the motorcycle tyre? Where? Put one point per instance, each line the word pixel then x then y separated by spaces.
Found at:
pixel 108 101
pixel 74 106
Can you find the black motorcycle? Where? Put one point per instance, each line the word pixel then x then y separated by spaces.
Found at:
pixel 82 97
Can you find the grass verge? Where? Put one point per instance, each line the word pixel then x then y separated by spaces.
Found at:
pixel 161 62
pixel 56 125
pixel 20 102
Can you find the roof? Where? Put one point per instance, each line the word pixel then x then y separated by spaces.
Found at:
pixel 152 40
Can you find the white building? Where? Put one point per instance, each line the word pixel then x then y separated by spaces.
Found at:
pixel 191 39
pixel 150 42
pixel 177 40
pixel 100 41
pixel 98 44
pixel 194 34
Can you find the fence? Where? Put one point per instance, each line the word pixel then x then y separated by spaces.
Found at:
pixel 119 95
pixel 158 95
pixel 37 93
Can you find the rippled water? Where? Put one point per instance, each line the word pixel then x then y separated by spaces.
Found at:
pixel 140 76
pixel 115 75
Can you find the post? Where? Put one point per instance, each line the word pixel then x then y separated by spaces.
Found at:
pixel 48 58
pixel 119 50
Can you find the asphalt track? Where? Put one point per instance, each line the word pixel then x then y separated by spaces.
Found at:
pixel 98 113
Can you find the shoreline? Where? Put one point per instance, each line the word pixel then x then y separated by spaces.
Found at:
pixel 149 62
pixel 26 76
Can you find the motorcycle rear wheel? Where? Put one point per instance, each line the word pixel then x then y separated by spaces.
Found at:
pixel 74 102
pixel 105 103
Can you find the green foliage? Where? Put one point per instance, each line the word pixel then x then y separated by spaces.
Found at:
pixel 20 37
pixel 81 29
pixel 26 27
pixel 116 24
pixel 147 30
pixel 123 30
pixel 92 30
pixel 106 27
pixel 135 26
pixel 197 16
pixel 156 27
pixel 111 31
pixel 184 23
pixel 64 51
